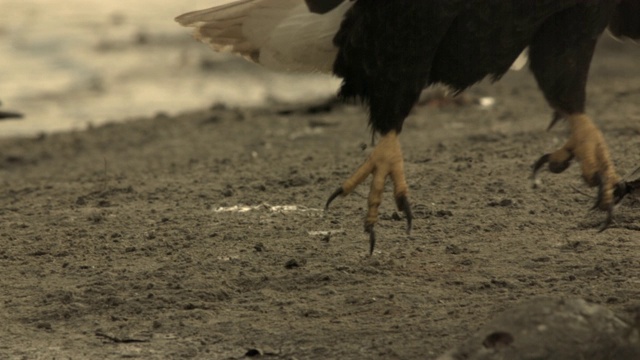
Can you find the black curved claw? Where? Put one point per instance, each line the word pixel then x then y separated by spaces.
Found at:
pixel 622 189
pixel 556 117
pixel 625 188
pixel 372 237
pixel 333 196
pixel 540 163
pixel 559 167
pixel 554 167
pixel 403 205
pixel 607 221
pixel 597 179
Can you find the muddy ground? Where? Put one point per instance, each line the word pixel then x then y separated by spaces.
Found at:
pixel 120 242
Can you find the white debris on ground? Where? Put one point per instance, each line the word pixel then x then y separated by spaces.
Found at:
pixel 486 101
pixel 266 207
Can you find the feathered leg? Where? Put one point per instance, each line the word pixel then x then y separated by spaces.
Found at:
pixel 385 60
pixel 561 66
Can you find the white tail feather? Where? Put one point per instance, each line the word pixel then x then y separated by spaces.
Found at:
pixel 279 34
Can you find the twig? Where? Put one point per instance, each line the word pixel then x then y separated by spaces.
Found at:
pixel 581 192
pixel 119 340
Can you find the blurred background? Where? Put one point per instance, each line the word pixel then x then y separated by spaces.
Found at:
pixel 70 64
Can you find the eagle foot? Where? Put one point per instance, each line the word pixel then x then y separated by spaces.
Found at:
pixel 622 189
pixel 587 145
pixel 385 161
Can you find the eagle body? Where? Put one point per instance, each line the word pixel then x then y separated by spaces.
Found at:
pixel 391 50
pixel 388 51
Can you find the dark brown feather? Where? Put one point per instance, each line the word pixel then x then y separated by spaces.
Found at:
pixel 390 50
pixel 322 6
pixel 625 21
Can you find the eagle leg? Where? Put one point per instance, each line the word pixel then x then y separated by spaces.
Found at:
pixel 588 146
pixel 385 161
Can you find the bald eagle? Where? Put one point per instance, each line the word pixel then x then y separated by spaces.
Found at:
pixel 388 51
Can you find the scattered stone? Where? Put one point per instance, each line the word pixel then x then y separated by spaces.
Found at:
pixel 502 203
pixel 44 326
pixel 452 249
pixel 254 353
pixel 293 263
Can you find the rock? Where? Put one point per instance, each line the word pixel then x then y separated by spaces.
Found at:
pixel 552 329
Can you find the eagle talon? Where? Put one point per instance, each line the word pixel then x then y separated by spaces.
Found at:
pixel 558 167
pixel 372 237
pixel 538 165
pixel 403 205
pixel 597 179
pixel 624 188
pixel 555 167
pixel 607 221
pixel 333 196
pixel 556 117
pixel 620 190
pixel 599 203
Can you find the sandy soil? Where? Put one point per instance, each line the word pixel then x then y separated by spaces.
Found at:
pixel 117 242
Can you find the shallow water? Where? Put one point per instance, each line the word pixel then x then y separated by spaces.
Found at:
pixel 70 64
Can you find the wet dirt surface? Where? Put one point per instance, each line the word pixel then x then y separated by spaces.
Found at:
pixel 203 235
